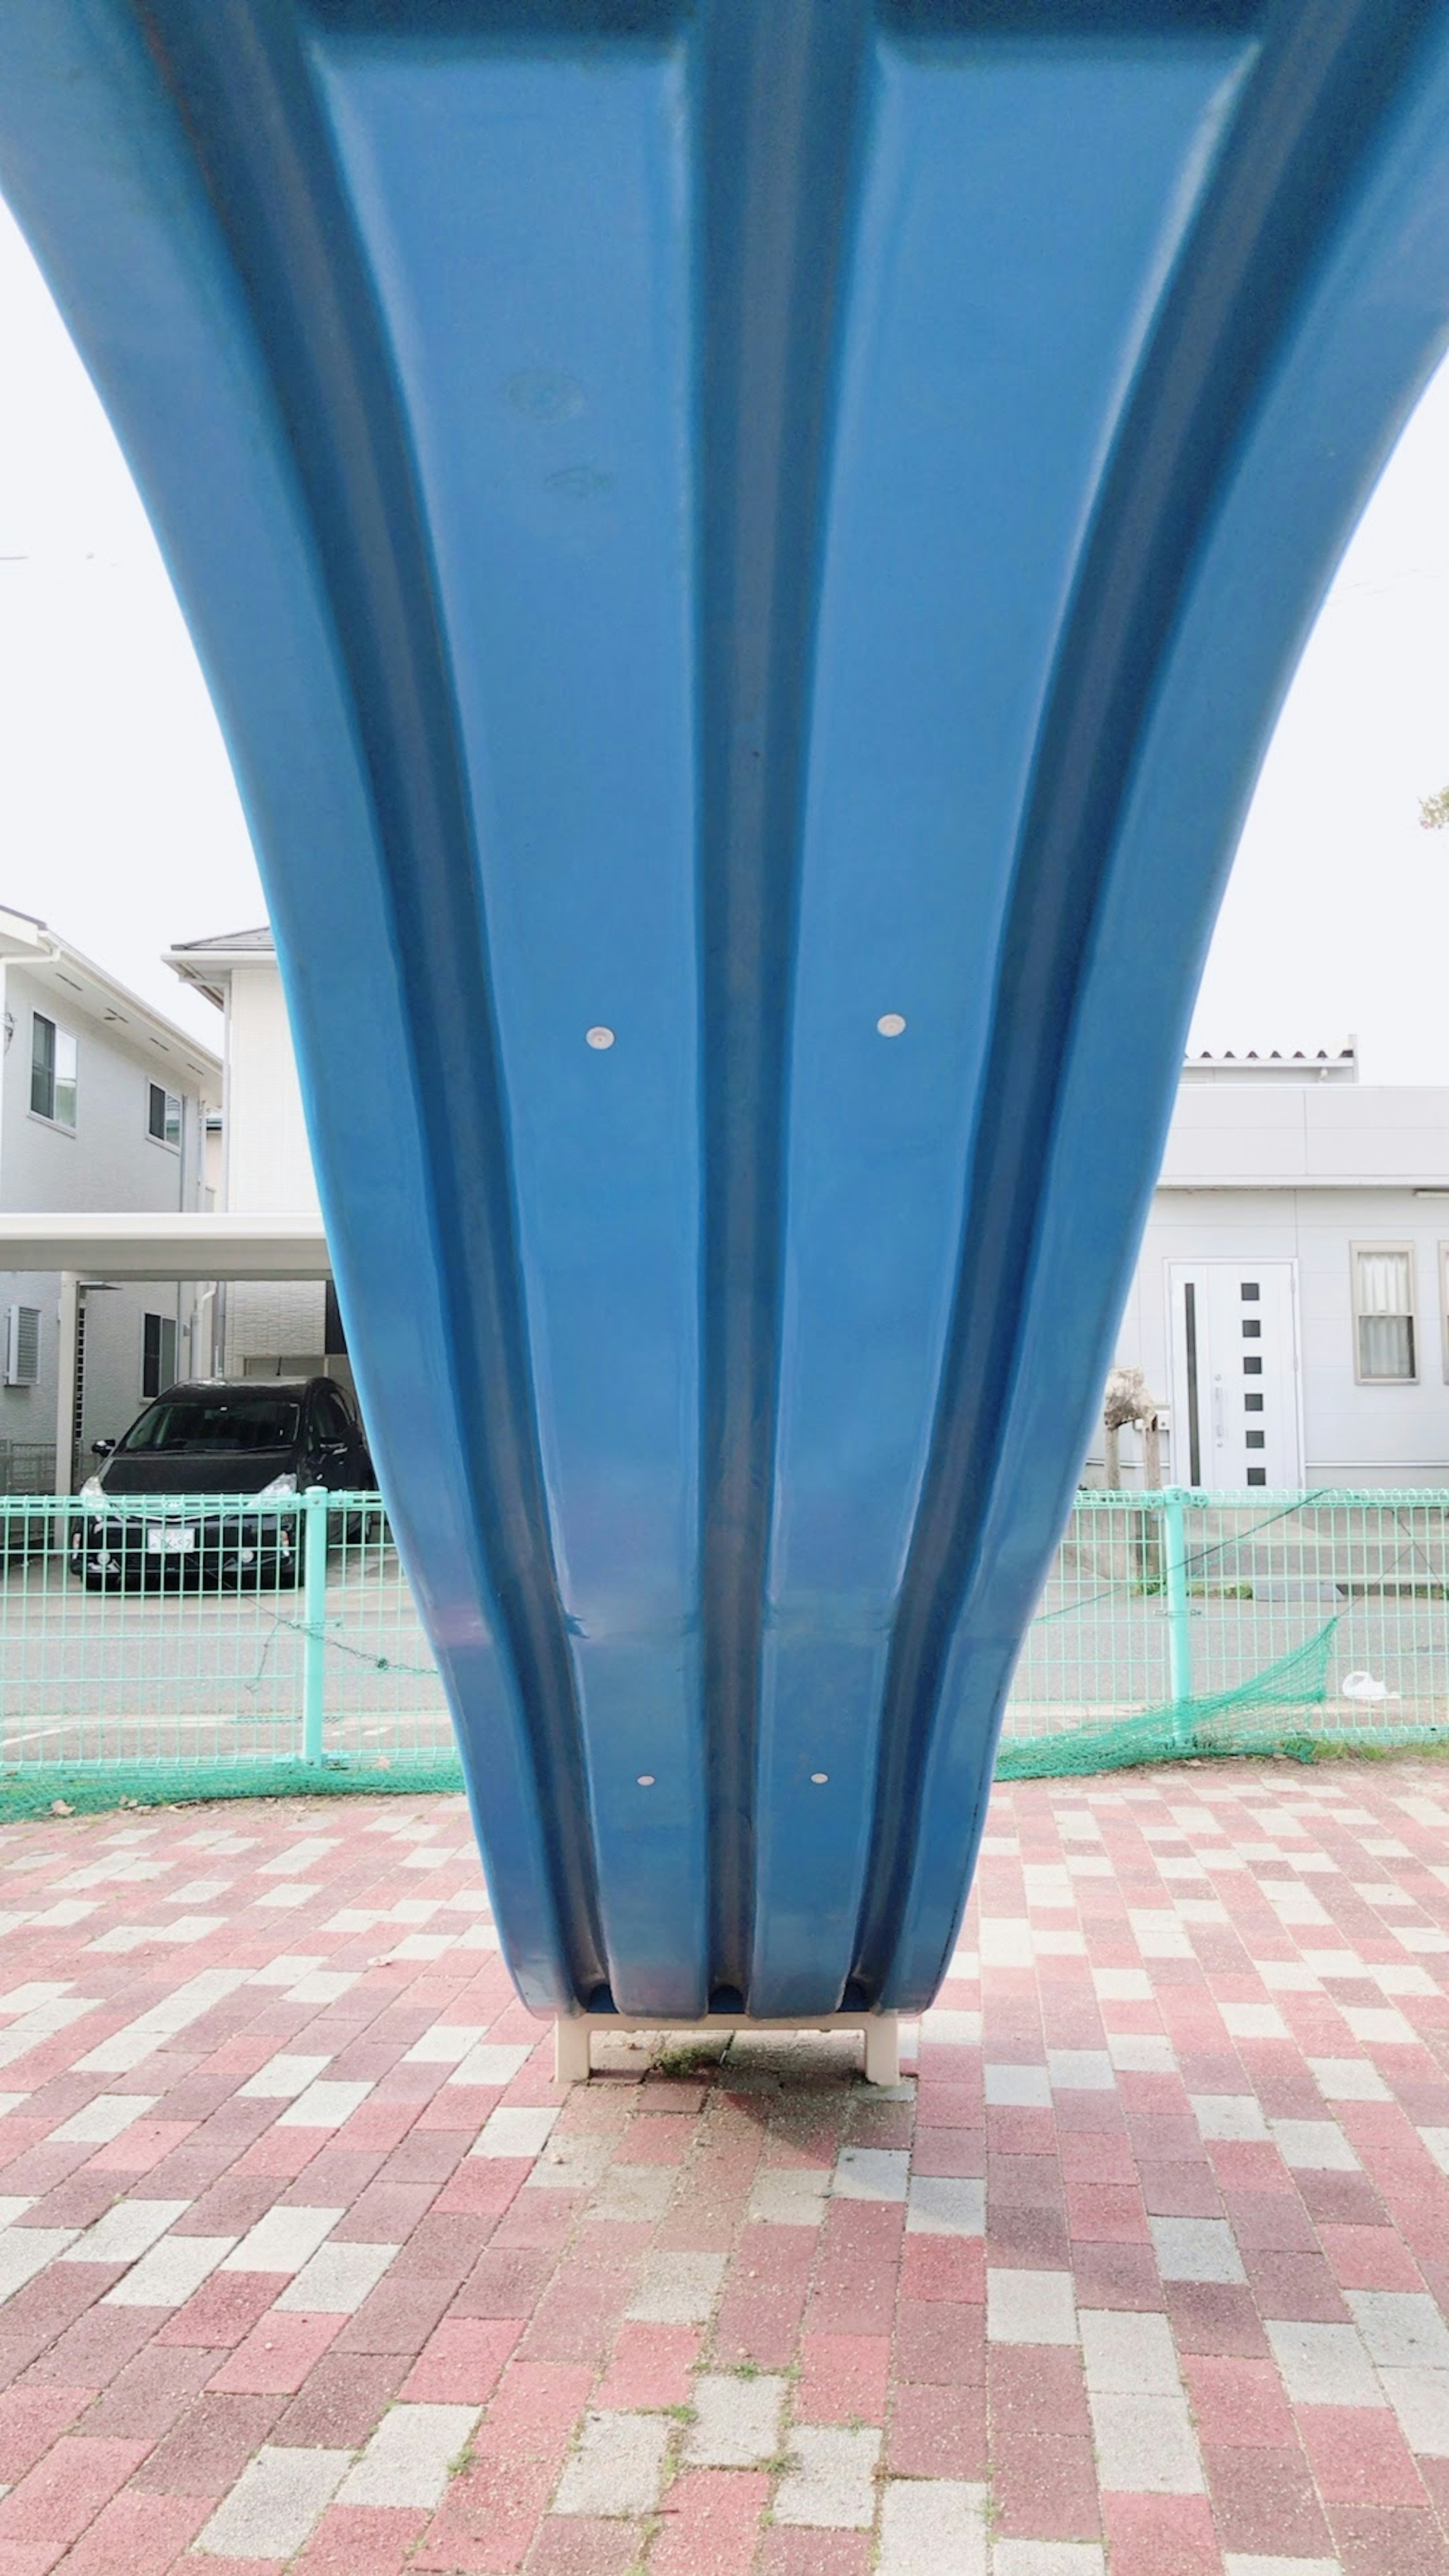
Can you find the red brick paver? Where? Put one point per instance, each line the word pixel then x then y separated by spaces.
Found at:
pixel 1144 2270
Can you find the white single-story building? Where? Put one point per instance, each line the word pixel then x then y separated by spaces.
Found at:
pixel 1290 1307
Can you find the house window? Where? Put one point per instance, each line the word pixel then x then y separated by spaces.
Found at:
pixel 52 1071
pixel 163 1116
pixel 1383 1313
pixel 158 1353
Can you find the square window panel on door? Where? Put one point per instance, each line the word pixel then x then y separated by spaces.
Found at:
pixel 1215 1447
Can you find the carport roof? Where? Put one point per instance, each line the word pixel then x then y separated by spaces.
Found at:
pixel 166 1244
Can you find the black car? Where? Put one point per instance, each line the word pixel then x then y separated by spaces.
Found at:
pixel 271 1437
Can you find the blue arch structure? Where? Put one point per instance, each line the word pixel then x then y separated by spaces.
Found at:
pixel 731 527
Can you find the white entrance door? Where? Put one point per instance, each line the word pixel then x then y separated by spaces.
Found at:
pixel 1235 1408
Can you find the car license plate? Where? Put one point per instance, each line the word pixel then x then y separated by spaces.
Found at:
pixel 164 1542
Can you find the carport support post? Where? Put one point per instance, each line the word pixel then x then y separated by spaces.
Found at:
pixel 68 1344
pixel 312 1531
pixel 1179 1634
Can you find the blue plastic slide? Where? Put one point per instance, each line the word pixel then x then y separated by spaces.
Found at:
pixel 747 551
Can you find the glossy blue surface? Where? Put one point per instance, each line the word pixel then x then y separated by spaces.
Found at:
pixel 730 525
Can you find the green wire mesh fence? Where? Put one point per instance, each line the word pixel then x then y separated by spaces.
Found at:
pixel 1183 1623
pixel 210 1646
pixel 228 1645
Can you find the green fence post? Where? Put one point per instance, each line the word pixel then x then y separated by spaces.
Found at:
pixel 1179 1635
pixel 312 1530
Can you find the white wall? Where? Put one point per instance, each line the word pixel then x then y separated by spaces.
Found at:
pixel 268 1170
pixel 268 1161
pixel 276 1327
pixel 27 1413
pixel 1294 1140
pixel 1286 1132
pixel 108 1161
pixel 1352 1434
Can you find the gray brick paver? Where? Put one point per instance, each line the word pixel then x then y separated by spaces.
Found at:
pixel 829 2484
pixel 275 2504
pixel 617 2468
pixel 408 2458
pixel 737 2421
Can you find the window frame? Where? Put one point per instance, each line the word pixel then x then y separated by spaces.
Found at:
pixel 323 1401
pixel 169 1144
pixel 1406 1250
pixel 59 1035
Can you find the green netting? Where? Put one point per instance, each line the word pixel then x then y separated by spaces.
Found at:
pixel 1176 1624
pixel 1248 1719
pixel 1172 1625
pixel 57 1789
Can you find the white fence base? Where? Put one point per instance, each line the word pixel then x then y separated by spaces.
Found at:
pixel 574 2034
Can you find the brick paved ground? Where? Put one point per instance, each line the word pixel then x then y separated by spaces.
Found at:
pixel 303 2262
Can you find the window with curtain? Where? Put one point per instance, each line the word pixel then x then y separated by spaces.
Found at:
pixel 1384 1313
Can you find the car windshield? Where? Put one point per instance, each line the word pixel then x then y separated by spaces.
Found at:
pixel 217 1422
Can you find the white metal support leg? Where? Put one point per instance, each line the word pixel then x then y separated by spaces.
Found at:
pixel 573 2032
pixel 882 2049
pixel 571 2036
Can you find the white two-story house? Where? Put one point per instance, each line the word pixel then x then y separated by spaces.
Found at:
pixel 104 1105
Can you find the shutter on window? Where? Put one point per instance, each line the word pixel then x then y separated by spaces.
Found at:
pixel 22 1345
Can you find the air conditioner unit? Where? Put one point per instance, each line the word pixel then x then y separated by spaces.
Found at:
pixel 22 1345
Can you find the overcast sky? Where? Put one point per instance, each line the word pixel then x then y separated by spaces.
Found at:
pixel 120 826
